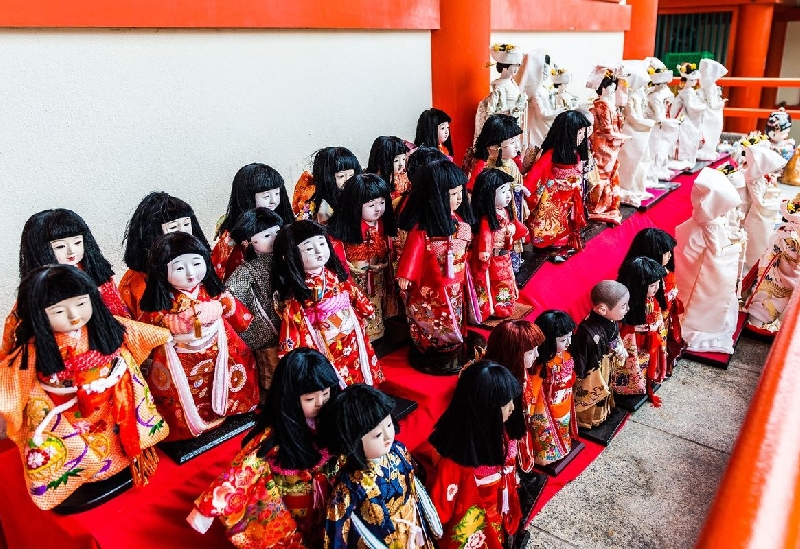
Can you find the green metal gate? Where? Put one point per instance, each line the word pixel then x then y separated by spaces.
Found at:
pixel 694 32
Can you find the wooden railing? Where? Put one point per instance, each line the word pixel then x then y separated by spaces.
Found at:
pixel 757 505
pixel 752 82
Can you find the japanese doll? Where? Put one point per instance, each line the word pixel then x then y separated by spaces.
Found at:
pixel 275 492
pixel 664 135
pixel 634 157
pixel 779 124
pixel 387 158
pixel 760 173
pixel 320 307
pixel 534 80
pixel 688 109
pixel 711 119
pixel 206 372
pixel 71 392
pixel 474 485
pixel 316 194
pixel 254 186
pixel 565 100
pixel 505 96
pixel 377 501
pixel 433 130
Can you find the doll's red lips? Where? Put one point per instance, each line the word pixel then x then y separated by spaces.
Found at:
pixel 75 321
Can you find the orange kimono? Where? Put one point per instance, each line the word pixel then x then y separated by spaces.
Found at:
pixel 226 256
pixel 603 201
pixel 131 289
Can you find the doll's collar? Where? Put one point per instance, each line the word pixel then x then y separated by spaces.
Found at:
pixel 193 293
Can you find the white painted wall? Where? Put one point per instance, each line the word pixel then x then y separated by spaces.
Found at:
pixel 92 120
pixel 791 69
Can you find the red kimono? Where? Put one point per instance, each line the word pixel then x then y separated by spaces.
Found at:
pixel 672 321
pixel 333 324
pixel 206 372
pixel 647 352
pixel 131 288
pixel 603 200
pixel 226 256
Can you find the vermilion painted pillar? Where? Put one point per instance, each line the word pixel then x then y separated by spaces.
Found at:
pixel 752 44
pixel 459 77
pixel 640 39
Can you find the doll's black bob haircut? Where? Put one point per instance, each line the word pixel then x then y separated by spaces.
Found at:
pixel 553 324
pixel 496 129
pixel 637 274
pixel 381 157
pixel 157 294
pixel 344 421
pixel 562 138
pixel 251 223
pixel 48 225
pixel 44 287
pixel 653 243
pixel 250 180
pixel 345 223
pixel 606 82
pixel 483 194
pixel 428 129
pixel 299 372
pixel 327 162
pixel 471 431
pixel 290 278
pixel 144 227
pixel 422 156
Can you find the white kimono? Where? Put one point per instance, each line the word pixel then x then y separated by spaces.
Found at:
pixel 688 109
pixel 765 200
pixel 711 119
pixel 664 134
pixel 505 97
pixel 634 156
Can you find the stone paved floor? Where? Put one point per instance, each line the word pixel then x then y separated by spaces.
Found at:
pixel 653 485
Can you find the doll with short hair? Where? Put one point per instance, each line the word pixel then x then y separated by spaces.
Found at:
pixel 275 492
pixel 598 353
pixel 206 373
pixel 320 307
pixel 158 213
pixel 433 130
pixel 252 284
pixel 387 158
pixel 377 501
pixel 474 487
pixel 72 395
pixel 254 186
pixel 643 330
pixel 365 224
pixel 316 194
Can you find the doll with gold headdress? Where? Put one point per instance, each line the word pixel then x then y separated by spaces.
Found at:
pixel 688 109
pixel 665 130
pixel 505 96
pixel 561 77
pixel 634 157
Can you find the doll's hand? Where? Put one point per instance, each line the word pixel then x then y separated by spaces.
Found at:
pixel 228 304
pixel 483 256
pixel 511 230
pixel 208 312
pixel 403 283
pixel 179 323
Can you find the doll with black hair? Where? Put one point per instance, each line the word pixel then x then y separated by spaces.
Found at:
pixel 688 109
pixel 71 392
pixel 316 194
pixel 778 126
pixel 364 224
pixel 433 269
pixel 387 158
pixel 433 130
pixel 643 330
pixel 658 245
pixel 158 213
pixel 497 231
pixel 62 237
pixel 475 484
pixel 377 501
pixel 252 284
pixel 206 372
pixel 254 186
pixel 555 183
pixel 320 306
pixel 275 492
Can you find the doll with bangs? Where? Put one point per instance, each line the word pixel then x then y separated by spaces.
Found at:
pixel 206 372
pixel 252 284
pixel 364 224
pixel 378 501
pixel 254 186
pixel 498 230
pixel 474 487
pixel 316 194
pixel 275 492
pixel 319 306
pixel 71 392
pixel 643 330
pixel 433 130
pixel 62 237
pixel 158 213
pixel 387 158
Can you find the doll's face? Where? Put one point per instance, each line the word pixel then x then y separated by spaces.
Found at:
pixel 609 91
pixel 443 132
pixel 315 253
pixel 186 271
pixel 312 402
pixel 378 442
pixel 372 211
pixel 264 242
pixel 182 224
pixel 502 196
pixel 582 134
pixel 776 136
pixel 455 197
pixel 666 257
pixel 653 288
pixel 69 314
pixel 618 311
pixel 562 343
pixel 342 177
pixel 510 71
pixel 69 250
pixel 399 163
pixel 530 357
pixel 507 410
pixel 509 148
pixel 270 199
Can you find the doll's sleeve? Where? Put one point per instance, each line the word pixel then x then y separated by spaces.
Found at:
pixel 303 191
pixel 240 285
pixel 535 177
pixel 220 254
pixel 445 489
pixel 358 300
pixel 9 332
pixel 141 338
pixel 485 240
pixel 113 300
pixel 582 352
pixel 338 524
pixel 293 331
pixel 15 388
pixel 241 317
pixel 338 249
pixel 476 170
pixel 413 259
pixel 520 231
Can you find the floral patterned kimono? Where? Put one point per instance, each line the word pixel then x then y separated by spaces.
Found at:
pixel 303 207
pixel 549 411
pixel 603 202
pixel 647 352
pixel 226 256
pixel 379 505
pixel 333 324
pixel 205 373
pixel 402 186
pixel 478 506
pixel 672 321
pixel 263 505
pixel 131 289
pixel 434 302
pixel 89 421
pixel 556 203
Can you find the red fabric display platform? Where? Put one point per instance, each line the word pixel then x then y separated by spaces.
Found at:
pixel 154 516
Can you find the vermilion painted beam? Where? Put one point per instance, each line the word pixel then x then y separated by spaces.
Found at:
pixel 312 14
pixel 640 39
pixel 704 5
pixel 743 112
pixel 560 15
